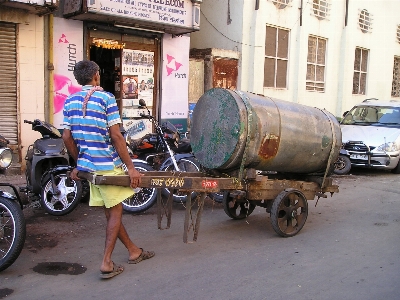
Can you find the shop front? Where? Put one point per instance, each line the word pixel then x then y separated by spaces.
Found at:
pixel 142 49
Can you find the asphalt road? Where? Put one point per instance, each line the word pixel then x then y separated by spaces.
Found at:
pixel 349 248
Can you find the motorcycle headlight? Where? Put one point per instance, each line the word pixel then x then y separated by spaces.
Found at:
pixel 388 147
pixel 5 158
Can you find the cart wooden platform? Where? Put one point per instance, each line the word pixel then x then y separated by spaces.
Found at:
pixel 284 197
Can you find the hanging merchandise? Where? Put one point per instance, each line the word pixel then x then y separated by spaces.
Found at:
pixel 107 44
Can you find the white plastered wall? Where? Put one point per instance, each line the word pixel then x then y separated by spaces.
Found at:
pixel 30 51
pixel 246 34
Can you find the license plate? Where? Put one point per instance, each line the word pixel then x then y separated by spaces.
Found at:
pixel 359 156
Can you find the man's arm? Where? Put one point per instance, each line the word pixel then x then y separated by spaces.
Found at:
pixel 119 144
pixel 72 150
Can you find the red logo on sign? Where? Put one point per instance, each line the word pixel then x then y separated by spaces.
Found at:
pixel 209 184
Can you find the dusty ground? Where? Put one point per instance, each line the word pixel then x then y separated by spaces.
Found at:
pixel 348 249
pixel 79 224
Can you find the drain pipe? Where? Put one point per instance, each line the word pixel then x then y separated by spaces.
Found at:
pixel 49 68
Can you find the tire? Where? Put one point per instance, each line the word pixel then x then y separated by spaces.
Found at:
pixel 397 169
pixel 85 191
pixel 342 165
pixel 236 210
pixel 68 199
pixel 143 199
pixel 12 232
pixel 289 212
pixel 188 164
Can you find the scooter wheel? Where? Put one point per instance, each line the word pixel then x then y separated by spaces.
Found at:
pixel 65 199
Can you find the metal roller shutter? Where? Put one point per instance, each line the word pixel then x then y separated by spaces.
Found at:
pixel 8 82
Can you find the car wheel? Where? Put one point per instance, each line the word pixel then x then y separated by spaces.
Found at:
pixel 342 165
pixel 397 169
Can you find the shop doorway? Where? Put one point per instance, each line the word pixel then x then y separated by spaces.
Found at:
pixel 109 63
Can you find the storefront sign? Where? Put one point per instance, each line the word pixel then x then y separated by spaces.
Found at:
pixel 68 50
pixel 171 12
pixel 37 2
pixel 175 77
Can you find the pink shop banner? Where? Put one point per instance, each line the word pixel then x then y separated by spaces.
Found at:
pixel 175 77
pixel 68 49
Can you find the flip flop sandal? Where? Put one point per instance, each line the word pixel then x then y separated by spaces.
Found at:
pixel 143 256
pixel 117 269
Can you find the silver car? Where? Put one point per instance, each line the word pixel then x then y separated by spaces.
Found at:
pixel 371 134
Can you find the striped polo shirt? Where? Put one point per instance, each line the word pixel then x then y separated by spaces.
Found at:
pixel 91 135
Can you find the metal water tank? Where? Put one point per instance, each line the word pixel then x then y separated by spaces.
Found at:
pixel 231 128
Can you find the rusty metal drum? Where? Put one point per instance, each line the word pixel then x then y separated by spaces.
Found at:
pixel 231 129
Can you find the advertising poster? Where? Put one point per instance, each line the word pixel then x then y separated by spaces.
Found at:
pixel 175 80
pixel 137 83
pixel 68 50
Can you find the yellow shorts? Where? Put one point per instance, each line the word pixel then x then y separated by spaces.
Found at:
pixel 109 195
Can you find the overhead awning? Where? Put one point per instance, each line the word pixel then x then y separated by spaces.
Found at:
pixel 37 7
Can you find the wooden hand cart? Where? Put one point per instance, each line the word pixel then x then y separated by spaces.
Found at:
pixel 285 198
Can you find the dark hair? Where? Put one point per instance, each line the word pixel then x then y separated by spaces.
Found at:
pixel 85 70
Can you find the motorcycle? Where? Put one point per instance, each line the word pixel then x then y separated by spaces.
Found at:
pixel 47 164
pixel 164 151
pixel 12 221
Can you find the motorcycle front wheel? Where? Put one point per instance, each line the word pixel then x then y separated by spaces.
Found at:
pixel 12 232
pixel 188 164
pixel 65 200
pixel 144 198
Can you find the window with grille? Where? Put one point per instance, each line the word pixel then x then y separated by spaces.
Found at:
pixel 281 3
pixel 360 71
pixel 276 57
pixel 365 21
pixel 396 77
pixel 320 8
pixel 315 79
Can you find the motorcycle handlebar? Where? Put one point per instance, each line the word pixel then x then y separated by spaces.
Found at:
pixel 29 122
pixel 143 116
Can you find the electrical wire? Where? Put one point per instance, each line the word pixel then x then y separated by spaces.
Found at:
pixel 297 21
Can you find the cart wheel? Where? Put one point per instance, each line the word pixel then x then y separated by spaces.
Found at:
pixel 289 212
pixel 236 210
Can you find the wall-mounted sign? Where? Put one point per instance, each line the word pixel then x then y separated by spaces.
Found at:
pixel 171 12
pixel 175 77
pixel 68 50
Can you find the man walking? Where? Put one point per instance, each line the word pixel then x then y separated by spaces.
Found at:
pixel 93 138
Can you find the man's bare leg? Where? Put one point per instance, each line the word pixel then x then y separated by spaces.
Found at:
pixel 134 251
pixel 113 215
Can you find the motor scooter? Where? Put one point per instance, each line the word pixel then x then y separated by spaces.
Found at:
pixel 47 164
pixel 12 221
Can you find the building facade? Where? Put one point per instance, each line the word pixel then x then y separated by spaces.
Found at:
pixel 141 47
pixel 329 54
pixel 22 80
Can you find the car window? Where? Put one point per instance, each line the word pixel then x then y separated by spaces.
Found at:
pixel 372 115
